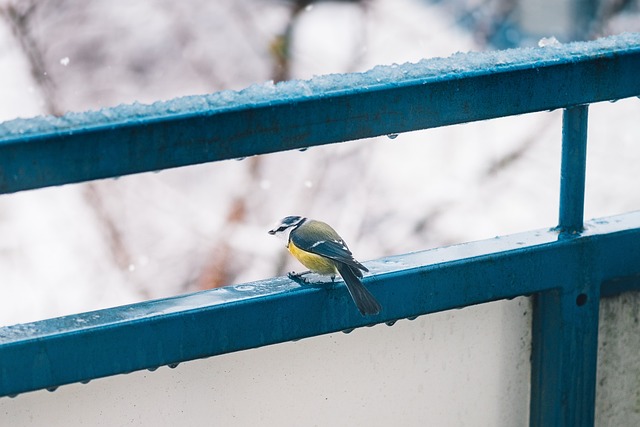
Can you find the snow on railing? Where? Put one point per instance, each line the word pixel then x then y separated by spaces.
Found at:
pixel 567 268
pixel 292 115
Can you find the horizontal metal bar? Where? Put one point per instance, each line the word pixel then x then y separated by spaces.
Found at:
pixel 268 118
pixel 90 345
pixel 619 285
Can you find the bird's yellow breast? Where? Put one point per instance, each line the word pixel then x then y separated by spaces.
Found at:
pixel 313 262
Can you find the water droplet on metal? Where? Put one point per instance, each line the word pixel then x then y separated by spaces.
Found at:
pixel 173 365
pixel 390 323
pixel 152 369
pixel 239 159
pixel 412 318
pixel 52 389
pixel 85 381
pixel 347 331
pixel 392 136
pixel 302 150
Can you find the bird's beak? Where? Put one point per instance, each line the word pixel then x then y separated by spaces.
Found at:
pixel 272 232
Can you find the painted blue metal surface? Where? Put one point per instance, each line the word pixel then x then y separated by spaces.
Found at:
pixel 267 118
pixel 573 168
pixel 565 320
pixel 567 269
pixel 150 334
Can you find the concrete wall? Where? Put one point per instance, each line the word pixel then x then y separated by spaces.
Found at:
pixel 465 367
pixel 618 391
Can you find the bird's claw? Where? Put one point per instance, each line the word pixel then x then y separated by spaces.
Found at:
pixel 298 276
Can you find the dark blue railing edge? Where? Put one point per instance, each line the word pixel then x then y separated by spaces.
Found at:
pixel 158 137
pixel 86 346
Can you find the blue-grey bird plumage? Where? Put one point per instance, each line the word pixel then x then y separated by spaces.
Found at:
pixel 321 249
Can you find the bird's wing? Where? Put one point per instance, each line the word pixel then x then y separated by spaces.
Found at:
pixel 334 249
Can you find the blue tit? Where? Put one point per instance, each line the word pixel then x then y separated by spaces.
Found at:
pixel 319 248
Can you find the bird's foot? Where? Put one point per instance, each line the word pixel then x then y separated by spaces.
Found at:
pixel 314 279
pixel 298 277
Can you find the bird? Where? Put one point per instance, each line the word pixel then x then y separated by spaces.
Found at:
pixel 321 249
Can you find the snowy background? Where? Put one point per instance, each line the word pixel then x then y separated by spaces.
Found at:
pixel 105 243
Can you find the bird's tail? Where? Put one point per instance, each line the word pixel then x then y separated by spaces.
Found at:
pixel 366 303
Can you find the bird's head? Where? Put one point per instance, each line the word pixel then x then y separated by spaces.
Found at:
pixel 287 224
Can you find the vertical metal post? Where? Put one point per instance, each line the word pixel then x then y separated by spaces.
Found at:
pixel 573 169
pixel 564 354
pixel 565 320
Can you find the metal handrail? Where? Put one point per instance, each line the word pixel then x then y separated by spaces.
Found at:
pixel 567 268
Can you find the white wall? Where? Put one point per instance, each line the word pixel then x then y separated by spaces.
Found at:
pixel 618 390
pixel 465 367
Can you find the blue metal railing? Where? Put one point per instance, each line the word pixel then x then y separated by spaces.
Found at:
pixel 567 268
